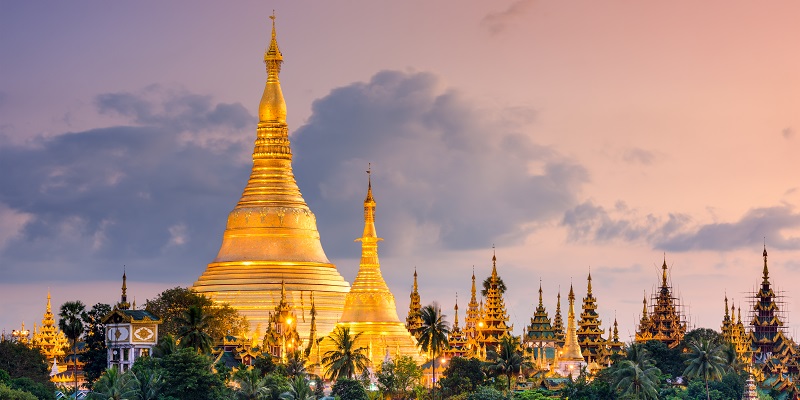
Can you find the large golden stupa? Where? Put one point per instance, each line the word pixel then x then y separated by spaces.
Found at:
pixel 369 308
pixel 271 235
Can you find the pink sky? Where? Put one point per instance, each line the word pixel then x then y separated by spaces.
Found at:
pixel 685 112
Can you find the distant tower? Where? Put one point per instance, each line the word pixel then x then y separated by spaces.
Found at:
pixel 48 338
pixel 558 323
pixel 590 335
pixel 414 319
pixel 570 360
pixel 271 235
pixel 665 322
pixel 472 322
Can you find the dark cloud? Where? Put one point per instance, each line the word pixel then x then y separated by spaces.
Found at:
pixel 638 156
pixel 750 230
pixel 153 194
pixel 590 222
pixel 498 22
pixel 675 232
pixel 445 174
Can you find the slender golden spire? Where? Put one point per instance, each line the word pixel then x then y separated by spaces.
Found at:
pixel 664 272
pixel 541 303
pixel 273 106
pixel 726 307
pixel 455 319
pixel 644 305
pixel 589 286
pixel 473 299
pixel 572 350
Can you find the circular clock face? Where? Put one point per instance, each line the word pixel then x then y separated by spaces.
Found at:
pixel 117 334
pixel 144 334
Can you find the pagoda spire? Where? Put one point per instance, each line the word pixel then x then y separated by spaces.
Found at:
pixel 572 348
pixel 414 317
pixel 558 322
pixel 369 309
pixel 590 334
pixel 766 270
pixel 123 300
pixel 455 310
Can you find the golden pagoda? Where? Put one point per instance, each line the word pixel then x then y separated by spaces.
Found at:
pixel 590 335
pixel 472 322
pixel 271 235
pixel 665 323
pixel 570 361
pixel 369 308
pixel 48 338
pixel 733 332
pixel 414 318
pixel 493 325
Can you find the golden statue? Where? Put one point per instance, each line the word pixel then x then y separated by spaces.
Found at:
pixel 271 235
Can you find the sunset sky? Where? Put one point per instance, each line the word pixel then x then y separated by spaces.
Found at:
pixel 570 135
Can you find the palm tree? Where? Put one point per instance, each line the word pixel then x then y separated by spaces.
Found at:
pixel 71 323
pixel 637 376
pixel 149 383
pixel 508 358
pixel 706 360
pixel 165 346
pixel 192 331
pixel 501 286
pixel 298 390
pixel 345 359
pixel 433 335
pixel 252 386
pixel 114 385
pixel 295 364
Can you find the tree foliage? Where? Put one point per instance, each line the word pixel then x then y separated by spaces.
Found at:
pixel 172 303
pixel 95 355
pixel 705 360
pixel 507 359
pixel 433 335
pixel 345 360
pixel 193 330
pixel 397 378
pixel 462 375
pixel 115 385
pixel 250 384
pixel 187 375
pixel 19 363
pixel 349 389
pixel 71 323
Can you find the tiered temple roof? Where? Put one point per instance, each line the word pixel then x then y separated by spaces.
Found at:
pixel 472 322
pixel 665 322
pixel 558 323
pixel 48 338
pixel 539 337
pixel 281 337
pixel 414 319
pixel 494 316
pixel 590 335
pixel 734 333
pixel 458 338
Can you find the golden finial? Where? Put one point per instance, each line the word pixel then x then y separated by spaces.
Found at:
pixel 589 286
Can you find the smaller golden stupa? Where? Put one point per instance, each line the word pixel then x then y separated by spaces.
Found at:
pixel 569 360
pixel 369 308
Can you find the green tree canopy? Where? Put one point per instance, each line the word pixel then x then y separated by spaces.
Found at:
pixel 345 360
pixel 705 360
pixel 186 374
pixel 71 323
pixel 349 389
pixel 397 378
pixel 20 361
pixel 172 303
pixel 95 355
pixel 193 330
pixel 507 359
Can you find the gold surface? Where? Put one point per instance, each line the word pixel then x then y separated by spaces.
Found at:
pixel 369 308
pixel 571 350
pixel 271 234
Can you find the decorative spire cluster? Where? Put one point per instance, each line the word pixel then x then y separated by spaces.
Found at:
pixel 494 317
pixel 665 322
pixel 414 318
pixel 48 338
pixel 539 335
